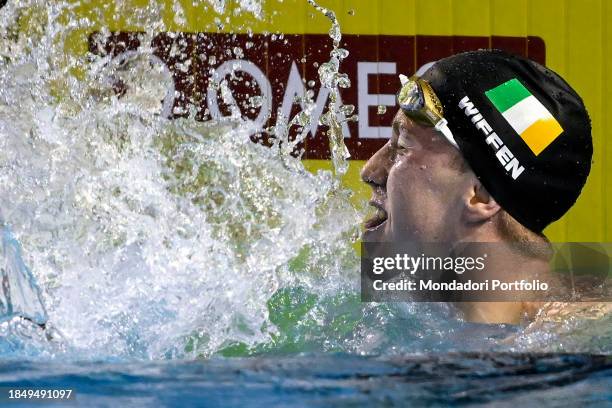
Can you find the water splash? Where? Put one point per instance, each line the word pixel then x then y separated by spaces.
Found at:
pixel 144 230
pixel 20 295
pixel 332 79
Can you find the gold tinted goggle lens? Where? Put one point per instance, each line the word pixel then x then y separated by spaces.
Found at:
pixel 418 101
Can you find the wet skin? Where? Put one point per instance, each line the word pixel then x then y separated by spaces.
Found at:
pixel 416 186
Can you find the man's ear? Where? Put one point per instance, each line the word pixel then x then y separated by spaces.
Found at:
pixel 479 205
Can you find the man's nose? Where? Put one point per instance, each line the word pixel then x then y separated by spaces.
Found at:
pixel 375 171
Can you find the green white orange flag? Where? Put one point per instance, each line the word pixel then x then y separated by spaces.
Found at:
pixel 527 116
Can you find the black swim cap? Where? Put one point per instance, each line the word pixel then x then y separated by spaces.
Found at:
pixel 522 129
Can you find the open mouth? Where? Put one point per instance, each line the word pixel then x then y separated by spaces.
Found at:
pixel 379 217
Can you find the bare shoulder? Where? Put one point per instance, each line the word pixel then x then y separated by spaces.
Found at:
pixel 562 311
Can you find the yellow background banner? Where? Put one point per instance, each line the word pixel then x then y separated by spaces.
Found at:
pixel 576 34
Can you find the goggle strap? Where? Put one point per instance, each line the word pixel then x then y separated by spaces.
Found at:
pixel 442 126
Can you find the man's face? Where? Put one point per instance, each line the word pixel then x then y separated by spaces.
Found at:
pixel 417 185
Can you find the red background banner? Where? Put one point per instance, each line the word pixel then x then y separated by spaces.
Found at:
pixel 286 65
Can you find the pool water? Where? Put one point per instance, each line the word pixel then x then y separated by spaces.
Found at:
pixel 326 380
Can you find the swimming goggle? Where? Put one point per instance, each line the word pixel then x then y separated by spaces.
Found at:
pixel 419 102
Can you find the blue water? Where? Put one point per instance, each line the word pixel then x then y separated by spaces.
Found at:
pixel 323 380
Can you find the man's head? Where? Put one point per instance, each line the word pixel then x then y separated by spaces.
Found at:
pixel 517 157
pixel 424 189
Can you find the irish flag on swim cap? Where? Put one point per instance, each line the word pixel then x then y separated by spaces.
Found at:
pixel 526 114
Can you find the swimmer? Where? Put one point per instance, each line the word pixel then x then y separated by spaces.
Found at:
pixel 486 147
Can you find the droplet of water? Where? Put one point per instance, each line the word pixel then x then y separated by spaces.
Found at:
pixel 256 101
pixel 302 119
pixel 334 33
pixel 347 110
pixel 343 80
pixel 340 53
pixel 238 52
pixel 328 74
pixel 324 119
pixel 218 23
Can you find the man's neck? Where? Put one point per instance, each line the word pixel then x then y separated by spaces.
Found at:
pixel 505 262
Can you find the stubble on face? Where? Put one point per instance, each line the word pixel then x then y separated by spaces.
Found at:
pixel 415 183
